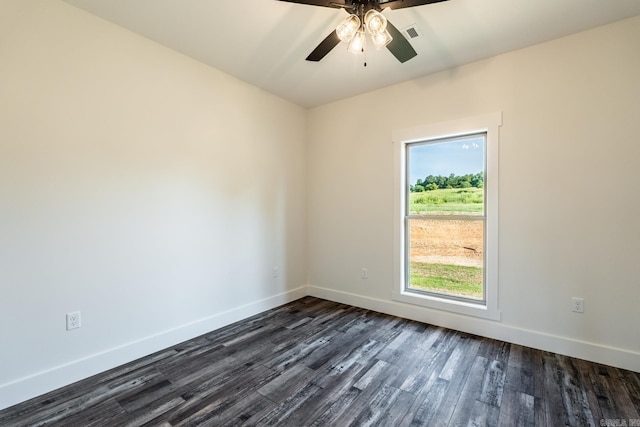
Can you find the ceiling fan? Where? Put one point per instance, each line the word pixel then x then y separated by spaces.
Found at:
pixel 365 18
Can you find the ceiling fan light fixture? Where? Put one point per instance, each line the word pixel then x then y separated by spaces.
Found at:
pixel 358 42
pixel 365 19
pixel 382 39
pixel 348 28
pixel 375 22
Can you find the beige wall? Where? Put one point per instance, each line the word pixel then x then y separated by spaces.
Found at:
pixel 569 204
pixel 151 192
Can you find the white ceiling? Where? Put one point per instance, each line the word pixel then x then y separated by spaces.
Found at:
pixel 265 42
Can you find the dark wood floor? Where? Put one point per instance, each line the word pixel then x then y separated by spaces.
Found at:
pixel 319 363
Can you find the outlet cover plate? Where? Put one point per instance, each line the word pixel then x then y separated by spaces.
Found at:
pixel 73 320
pixel 577 305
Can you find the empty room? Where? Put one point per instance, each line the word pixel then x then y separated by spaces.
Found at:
pixel 319 213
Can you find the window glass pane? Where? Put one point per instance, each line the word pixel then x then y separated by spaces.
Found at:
pixel 446 177
pixel 446 256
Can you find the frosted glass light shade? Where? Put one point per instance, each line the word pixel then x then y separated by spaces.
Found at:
pixel 375 22
pixel 358 42
pixel 348 28
pixel 382 39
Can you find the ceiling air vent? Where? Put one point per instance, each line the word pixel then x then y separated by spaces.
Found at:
pixel 412 31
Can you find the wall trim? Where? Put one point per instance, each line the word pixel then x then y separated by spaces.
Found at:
pixel 43 382
pixel 598 353
pixel 39 383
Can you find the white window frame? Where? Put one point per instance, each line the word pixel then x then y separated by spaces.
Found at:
pixel 488 124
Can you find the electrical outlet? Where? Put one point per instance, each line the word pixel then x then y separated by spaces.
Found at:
pixel 577 305
pixel 73 320
pixel 364 273
pixel 276 272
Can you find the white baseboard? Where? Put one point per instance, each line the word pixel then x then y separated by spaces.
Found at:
pixel 43 382
pixel 60 376
pixel 598 353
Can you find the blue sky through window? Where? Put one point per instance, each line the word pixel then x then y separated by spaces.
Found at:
pixel 459 157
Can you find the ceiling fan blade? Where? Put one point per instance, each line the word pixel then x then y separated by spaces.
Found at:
pixel 324 3
pixel 401 4
pixel 324 47
pixel 399 46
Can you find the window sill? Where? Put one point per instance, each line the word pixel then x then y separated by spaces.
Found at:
pixel 459 307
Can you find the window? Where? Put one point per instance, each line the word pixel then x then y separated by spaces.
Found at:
pixel 446 216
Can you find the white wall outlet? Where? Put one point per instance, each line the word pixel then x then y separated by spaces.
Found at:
pixel 364 273
pixel 276 272
pixel 73 320
pixel 577 305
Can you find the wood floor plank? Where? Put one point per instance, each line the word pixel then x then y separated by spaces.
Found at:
pixel 424 410
pixel 519 373
pixel 362 353
pixel 470 393
pixel 287 383
pixel 330 401
pixel 83 400
pixel 554 410
pixel 493 384
pixel 587 380
pixel 454 374
pixel 105 410
pixel 221 393
pixel 374 375
pixel 483 415
pixel 400 345
pixel 287 411
pixel 574 393
pixel 611 401
pixel 394 413
pixel 146 396
pixel 535 362
pixel 517 409
pixel 316 362
pixel 253 407
pixel 152 412
pixel 300 351
pixel 353 337
pixel 494 350
pixel 432 359
pixel 379 404
pixel 347 408
pixel 416 356
pixel 631 382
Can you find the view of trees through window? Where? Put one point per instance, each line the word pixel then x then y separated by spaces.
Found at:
pixel 445 217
